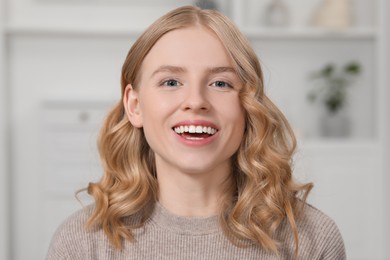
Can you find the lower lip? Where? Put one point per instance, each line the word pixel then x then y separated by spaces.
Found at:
pixel 196 142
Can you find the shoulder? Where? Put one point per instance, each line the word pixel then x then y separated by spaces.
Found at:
pixel 313 219
pixel 71 236
pixel 77 220
pixel 328 236
pixel 319 236
pixel 73 240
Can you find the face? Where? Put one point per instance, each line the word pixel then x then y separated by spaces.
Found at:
pixel 187 102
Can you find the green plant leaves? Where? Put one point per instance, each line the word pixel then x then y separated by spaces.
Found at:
pixel 332 83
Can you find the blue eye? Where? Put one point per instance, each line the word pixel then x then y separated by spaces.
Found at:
pixel 221 84
pixel 171 83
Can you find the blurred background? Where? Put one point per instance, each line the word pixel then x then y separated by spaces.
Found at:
pixel 326 65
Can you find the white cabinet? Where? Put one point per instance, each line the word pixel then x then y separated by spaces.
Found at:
pixel 69 157
pixel 70 131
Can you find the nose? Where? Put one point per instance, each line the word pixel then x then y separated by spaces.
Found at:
pixel 196 99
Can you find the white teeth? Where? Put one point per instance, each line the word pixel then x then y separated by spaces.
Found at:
pixel 195 129
pixel 199 129
pixel 192 129
pixel 194 138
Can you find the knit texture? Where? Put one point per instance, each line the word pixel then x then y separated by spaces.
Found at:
pixel 166 236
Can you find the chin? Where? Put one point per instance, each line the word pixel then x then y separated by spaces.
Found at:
pixel 199 167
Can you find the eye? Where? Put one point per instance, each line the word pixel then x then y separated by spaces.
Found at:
pixel 221 84
pixel 171 83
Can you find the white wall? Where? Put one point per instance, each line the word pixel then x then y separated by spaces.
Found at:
pixel 99 13
pixel 4 180
pixel 70 69
pixel 387 124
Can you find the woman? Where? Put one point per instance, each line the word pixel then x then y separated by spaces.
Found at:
pixel 197 159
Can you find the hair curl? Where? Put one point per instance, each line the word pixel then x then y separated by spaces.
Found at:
pixel 263 191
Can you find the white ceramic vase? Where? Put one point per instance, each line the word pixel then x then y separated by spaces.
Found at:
pixel 335 125
pixel 277 14
pixel 333 14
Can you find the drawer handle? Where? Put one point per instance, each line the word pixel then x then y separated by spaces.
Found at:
pixel 84 117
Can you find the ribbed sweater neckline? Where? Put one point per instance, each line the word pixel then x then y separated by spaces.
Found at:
pixel 184 225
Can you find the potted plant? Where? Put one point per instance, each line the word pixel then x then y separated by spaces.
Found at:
pixel 331 89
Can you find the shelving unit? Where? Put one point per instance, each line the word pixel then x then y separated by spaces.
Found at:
pixel 363 37
pixel 310 34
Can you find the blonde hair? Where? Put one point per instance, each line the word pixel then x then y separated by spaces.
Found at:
pixel 263 193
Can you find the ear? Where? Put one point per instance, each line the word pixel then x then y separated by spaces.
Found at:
pixel 132 106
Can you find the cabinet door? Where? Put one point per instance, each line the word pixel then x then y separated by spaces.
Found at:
pixel 70 158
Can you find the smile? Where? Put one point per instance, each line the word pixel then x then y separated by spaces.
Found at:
pixel 195 132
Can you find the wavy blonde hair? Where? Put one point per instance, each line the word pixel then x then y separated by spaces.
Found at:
pixel 263 192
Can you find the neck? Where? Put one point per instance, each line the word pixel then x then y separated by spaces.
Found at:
pixel 192 194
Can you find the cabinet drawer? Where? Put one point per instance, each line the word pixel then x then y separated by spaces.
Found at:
pixel 78 115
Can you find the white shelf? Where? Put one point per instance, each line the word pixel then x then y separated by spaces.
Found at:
pixel 251 32
pixel 72 30
pixel 309 33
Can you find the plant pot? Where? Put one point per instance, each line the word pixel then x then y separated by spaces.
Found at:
pixel 335 125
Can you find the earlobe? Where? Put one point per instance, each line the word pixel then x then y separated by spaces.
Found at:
pixel 132 106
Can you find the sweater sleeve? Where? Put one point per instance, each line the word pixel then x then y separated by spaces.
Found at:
pixel 334 248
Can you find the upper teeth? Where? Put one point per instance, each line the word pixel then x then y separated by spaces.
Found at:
pixel 195 129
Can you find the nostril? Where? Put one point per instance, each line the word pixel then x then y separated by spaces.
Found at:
pixel 196 101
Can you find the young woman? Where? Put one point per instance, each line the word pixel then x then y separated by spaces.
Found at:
pixel 197 159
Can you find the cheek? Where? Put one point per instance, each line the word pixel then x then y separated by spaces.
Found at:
pixel 156 108
pixel 158 98
pixel 234 116
pixel 154 105
pixel 234 110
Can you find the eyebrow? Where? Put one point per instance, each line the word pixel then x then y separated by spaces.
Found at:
pixel 168 68
pixel 177 69
pixel 217 70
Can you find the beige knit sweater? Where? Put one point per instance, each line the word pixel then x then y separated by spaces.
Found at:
pixel 166 236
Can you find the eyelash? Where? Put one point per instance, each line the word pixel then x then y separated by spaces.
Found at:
pixel 221 81
pixel 165 83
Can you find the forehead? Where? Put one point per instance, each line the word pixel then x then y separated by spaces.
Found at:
pixel 193 46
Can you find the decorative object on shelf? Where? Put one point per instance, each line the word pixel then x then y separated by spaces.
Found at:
pixel 334 14
pixel 277 14
pixel 207 4
pixel 332 87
